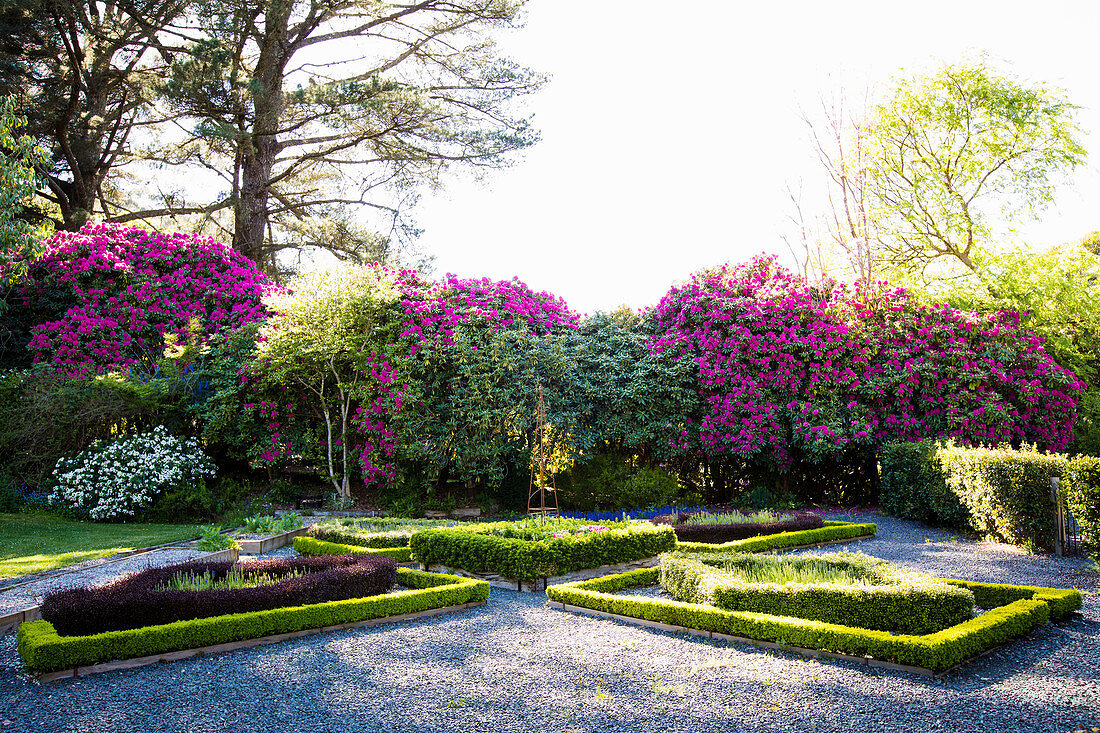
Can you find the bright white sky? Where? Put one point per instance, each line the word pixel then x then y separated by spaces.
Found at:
pixel 670 132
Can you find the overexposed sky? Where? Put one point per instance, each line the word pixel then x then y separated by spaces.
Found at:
pixel 671 132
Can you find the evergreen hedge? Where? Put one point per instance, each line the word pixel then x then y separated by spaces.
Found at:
pixel 937 651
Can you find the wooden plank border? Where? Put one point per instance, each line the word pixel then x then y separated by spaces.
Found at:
pixel 243 644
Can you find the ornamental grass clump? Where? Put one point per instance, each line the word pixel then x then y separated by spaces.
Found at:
pixel 113 479
pixel 147 598
pixel 841 588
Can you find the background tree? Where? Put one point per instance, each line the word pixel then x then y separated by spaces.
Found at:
pixel 951 155
pixel 304 109
pixel 83 73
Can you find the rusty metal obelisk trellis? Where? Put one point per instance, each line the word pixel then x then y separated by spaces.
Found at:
pixel 542 499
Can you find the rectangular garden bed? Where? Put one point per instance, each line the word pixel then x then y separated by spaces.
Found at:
pixel 263 545
pixel 1015 611
pixel 52 656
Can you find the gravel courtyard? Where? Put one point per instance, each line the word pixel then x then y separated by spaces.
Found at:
pixel 514 665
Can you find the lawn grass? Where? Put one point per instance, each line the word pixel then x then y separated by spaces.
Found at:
pixel 31 543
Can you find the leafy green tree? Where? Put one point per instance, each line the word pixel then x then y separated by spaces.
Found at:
pixel 305 110
pixel 84 74
pixel 952 155
pixel 1057 294
pixel 317 361
pixel 20 160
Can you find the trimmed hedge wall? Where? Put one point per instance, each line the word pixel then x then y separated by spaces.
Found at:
pixel 475 550
pixel 831 532
pixel 44 650
pixel 938 652
pixel 1000 492
pixel 1081 487
pixel 312 546
pixel 899 600
pixel 718 533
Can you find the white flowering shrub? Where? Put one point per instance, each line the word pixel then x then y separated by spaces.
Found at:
pixel 113 479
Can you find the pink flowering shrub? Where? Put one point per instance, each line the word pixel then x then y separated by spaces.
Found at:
pixel 106 296
pixel 788 371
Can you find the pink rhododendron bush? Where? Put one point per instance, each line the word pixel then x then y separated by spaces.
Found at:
pixel 103 298
pixel 790 372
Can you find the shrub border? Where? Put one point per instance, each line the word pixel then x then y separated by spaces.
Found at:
pixel 51 656
pixel 832 533
pixel 313 546
pixel 932 655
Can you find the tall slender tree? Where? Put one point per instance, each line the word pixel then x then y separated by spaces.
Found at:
pixel 82 73
pixel 308 110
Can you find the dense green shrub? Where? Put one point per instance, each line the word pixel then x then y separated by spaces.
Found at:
pixel 610 481
pixel 1081 488
pixel 477 549
pixel 1006 491
pixel 43 650
pixel 937 652
pixel 877 596
pixel 1001 492
pixel 913 485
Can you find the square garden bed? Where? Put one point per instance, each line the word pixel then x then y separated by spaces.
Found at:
pixel 941 642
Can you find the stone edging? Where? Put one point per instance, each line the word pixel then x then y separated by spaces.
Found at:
pixel 243 644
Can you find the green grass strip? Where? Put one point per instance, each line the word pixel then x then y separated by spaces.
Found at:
pixel 33 543
pixel 44 650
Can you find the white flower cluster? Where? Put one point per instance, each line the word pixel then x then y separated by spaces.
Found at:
pixel 113 479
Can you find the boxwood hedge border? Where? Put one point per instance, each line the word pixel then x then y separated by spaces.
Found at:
pixel 314 546
pixel 45 651
pixel 931 655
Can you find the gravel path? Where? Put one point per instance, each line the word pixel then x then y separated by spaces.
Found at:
pixel 514 665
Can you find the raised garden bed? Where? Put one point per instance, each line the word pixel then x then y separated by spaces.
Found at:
pixel 729 526
pixel 524 555
pixel 52 655
pixel 262 544
pixel 1014 611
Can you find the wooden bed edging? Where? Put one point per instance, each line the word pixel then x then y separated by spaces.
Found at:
pixel 814 653
pixel 242 644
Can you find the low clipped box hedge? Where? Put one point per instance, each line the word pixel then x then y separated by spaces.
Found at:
pixel 718 533
pixel 44 650
pixel 833 531
pixel 310 546
pixel 937 651
pixel 879 596
pixel 483 548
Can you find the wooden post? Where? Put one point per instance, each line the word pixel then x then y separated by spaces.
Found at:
pixel 1059 519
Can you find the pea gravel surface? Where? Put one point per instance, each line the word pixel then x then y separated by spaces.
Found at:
pixel 515 665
